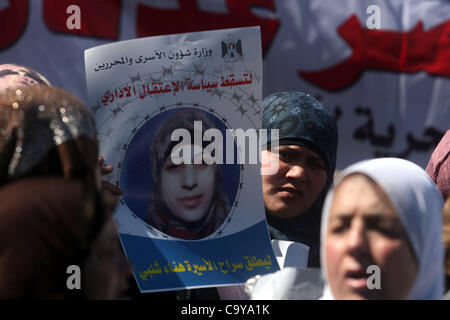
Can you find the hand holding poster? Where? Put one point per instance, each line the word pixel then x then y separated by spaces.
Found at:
pixel 173 114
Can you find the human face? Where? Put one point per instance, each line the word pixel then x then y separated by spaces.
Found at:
pixel 295 187
pixel 187 189
pixel 365 230
pixel 107 270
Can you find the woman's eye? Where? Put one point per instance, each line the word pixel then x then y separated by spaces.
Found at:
pixel 387 231
pixel 385 227
pixel 316 164
pixel 285 156
pixel 340 228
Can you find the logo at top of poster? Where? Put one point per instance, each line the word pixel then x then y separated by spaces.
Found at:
pixel 232 50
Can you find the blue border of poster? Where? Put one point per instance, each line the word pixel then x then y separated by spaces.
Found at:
pixel 179 264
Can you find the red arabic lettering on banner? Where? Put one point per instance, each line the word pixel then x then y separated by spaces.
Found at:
pixel 409 52
pixel 189 18
pixel 13 19
pixel 101 19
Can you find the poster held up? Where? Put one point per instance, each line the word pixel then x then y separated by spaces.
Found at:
pixel 184 224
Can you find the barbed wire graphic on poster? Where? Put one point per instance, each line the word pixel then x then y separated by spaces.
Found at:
pixel 208 84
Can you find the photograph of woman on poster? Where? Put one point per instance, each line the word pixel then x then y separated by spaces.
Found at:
pixel 187 200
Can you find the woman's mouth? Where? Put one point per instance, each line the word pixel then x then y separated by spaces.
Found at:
pixel 289 192
pixel 357 279
pixel 191 202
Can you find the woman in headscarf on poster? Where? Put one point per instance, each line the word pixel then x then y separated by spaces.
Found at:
pixel 306 157
pixel 187 200
pixel 381 233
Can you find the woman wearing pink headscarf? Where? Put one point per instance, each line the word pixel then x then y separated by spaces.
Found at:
pixel 16 76
pixel 438 167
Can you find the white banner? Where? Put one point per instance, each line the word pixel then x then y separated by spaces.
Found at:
pixel 383 67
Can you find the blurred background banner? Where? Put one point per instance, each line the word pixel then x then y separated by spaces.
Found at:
pixel 382 67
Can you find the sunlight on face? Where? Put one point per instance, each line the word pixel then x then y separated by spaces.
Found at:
pixel 364 229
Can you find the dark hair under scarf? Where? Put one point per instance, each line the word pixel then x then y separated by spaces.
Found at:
pixel 158 215
pixel 304 121
pixel 45 226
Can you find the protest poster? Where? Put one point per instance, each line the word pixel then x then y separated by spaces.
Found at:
pixel 181 224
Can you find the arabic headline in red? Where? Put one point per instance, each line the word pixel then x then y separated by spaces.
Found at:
pixel 144 90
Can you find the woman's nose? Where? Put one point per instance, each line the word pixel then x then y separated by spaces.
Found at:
pixel 296 172
pixel 189 177
pixel 357 240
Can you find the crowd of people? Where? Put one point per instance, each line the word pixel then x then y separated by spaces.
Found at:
pixel 56 211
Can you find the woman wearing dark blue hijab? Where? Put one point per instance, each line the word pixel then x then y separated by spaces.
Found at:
pixel 306 156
